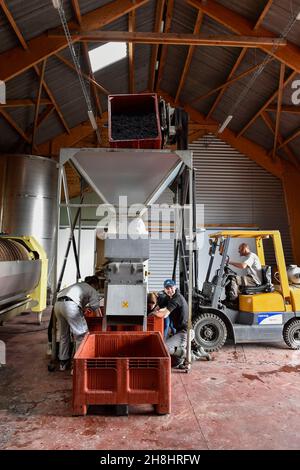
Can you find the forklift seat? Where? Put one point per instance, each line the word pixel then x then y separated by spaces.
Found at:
pixel 266 286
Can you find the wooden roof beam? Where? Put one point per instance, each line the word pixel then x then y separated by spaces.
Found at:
pixel 76 9
pixel 13 24
pixel 284 109
pixel 15 61
pixel 288 54
pixel 53 100
pixel 189 56
pixel 227 83
pixel 53 146
pixel 35 67
pixel 266 104
pixel 269 123
pixel 85 75
pixel 246 146
pixel 44 115
pixel 37 107
pixel 16 127
pixel 131 28
pixel 163 55
pixel 240 58
pixel 278 112
pixel 293 136
pixel 179 39
pixel 160 5
pixel 263 14
pixel 24 103
pixel 92 77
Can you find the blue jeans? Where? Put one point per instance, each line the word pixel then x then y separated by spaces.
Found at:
pixel 168 323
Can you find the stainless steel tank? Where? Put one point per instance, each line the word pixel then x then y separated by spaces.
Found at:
pixel 29 186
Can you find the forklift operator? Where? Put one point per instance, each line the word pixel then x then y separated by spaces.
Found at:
pixel 253 269
pixel 177 309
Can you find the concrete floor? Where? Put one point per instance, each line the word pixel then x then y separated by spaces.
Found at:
pixel 247 397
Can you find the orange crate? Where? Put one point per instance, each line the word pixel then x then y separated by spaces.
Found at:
pixel 153 324
pixel 122 368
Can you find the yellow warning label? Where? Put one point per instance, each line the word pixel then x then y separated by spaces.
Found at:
pixel 125 304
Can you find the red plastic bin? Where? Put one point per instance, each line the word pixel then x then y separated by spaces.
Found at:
pixel 131 105
pixel 153 324
pixel 122 368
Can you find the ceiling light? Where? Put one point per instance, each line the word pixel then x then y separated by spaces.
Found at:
pixel 92 119
pixel 2 92
pixel 225 124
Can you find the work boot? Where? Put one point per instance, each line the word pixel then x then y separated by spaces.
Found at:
pixel 63 365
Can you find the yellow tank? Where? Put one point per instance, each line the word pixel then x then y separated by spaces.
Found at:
pixel 295 298
pixel 264 302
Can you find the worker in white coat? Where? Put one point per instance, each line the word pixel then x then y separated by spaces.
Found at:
pixel 69 310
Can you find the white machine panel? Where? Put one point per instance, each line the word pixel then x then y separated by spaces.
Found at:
pixel 126 300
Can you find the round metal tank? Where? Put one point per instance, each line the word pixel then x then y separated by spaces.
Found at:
pixel 29 199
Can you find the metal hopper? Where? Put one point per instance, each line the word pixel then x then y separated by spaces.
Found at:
pixel 141 175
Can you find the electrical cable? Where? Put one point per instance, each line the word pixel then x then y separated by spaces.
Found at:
pixel 257 72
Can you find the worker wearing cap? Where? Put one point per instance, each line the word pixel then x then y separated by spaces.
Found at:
pixel 69 308
pixel 177 310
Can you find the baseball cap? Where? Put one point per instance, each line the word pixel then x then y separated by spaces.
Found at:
pixel 169 283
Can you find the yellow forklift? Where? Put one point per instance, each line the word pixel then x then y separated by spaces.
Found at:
pixel 266 313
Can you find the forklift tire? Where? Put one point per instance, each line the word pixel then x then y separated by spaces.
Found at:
pixel 291 334
pixel 210 332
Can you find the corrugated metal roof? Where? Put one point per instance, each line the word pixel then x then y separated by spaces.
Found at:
pixel 184 18
pixel 288 124
pixel 210 26
pixel 89 5
pixel 175 61
pixel 121 24
pixel 23 86
pixel 62 81
pixel 145 17
pixel 9 137
pixel 279 16
pixel 24 117
pixel 294 145
pixel 34 17
pixel 263 87
pixel 251 9
pixel 209 67
pixel 8 39
pixel 142 59
pixel 49 129
pixel 260 133
pixel 208 70
pixel 114 77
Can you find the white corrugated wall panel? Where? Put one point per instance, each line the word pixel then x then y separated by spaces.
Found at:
pixel 235 190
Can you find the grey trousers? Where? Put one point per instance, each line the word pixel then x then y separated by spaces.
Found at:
pixel 69 317
pixel 178 341
pixel 236 282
